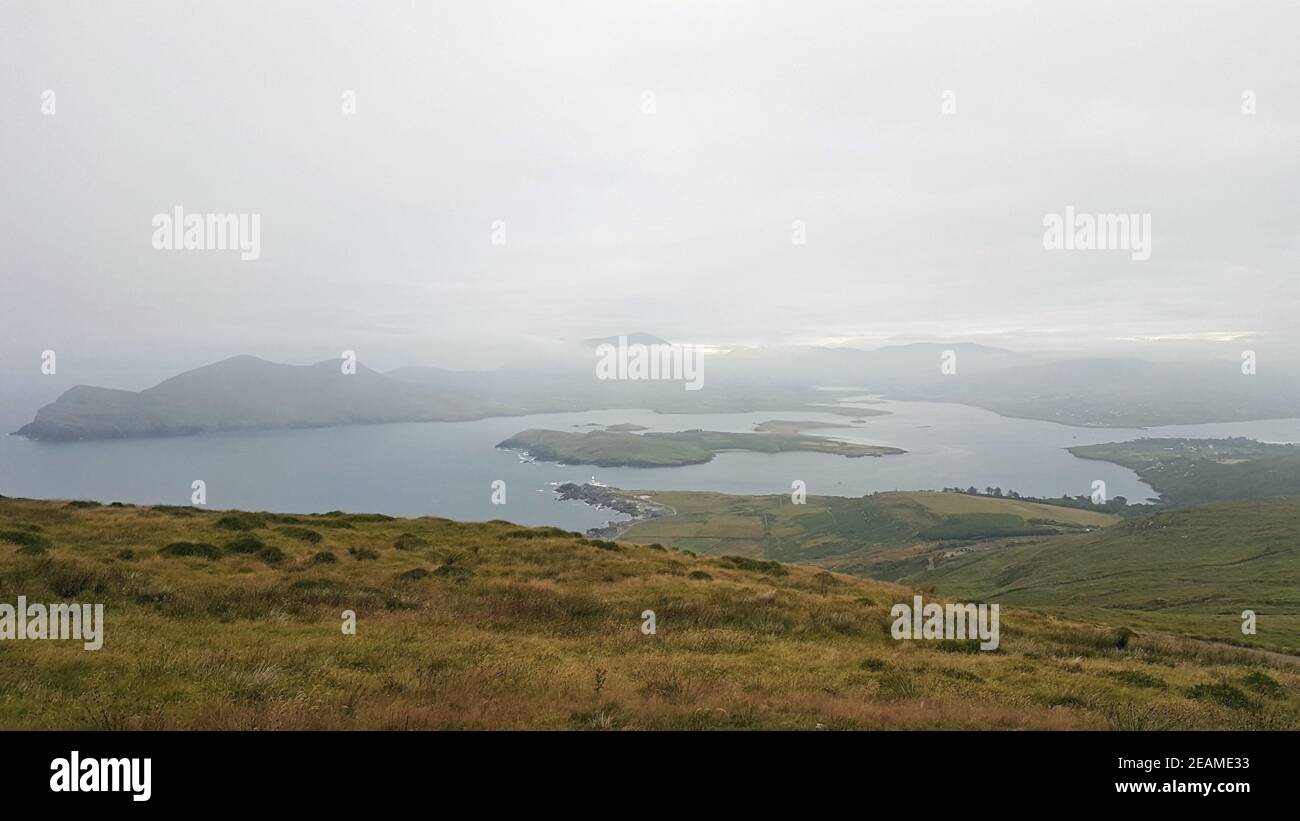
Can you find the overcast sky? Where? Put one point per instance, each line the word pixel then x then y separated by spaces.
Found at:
pixel 376 228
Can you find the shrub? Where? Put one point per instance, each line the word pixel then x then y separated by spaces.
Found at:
pixel 413 575
pixel 1137 678
pixel 538 533
pixel 700 575
pixel 451 571
pixel 28 543
pixel 82 504
pixel 324 557
pixel 245 544
pixel 1225 695
pixel 302 534
pixel 271 554
pixel 362 554
pixel 754 565
pixel 1262 683
pixel 410 541
pixel 69 580
pixel 338 524
pixel 179 549
pixel 875 665
pixel 898 684
pixel 183 511
pixel 126 555
pixel 241 521
pixel 957 646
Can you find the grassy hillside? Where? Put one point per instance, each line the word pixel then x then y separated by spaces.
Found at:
pixel 232 620
pixel 1192 571
pixel 866 535
pixel 951 504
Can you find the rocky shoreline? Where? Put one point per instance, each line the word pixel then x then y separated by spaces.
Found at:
pixel 602 497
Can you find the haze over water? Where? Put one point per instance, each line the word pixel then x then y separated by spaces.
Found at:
pixel 447 468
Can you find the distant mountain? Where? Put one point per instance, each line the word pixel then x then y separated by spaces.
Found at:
pixel 246 392
pixel 1122 392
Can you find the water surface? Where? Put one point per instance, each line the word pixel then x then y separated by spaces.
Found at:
pixel 447 468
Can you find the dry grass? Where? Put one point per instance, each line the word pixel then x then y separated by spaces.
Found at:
pixel 537 628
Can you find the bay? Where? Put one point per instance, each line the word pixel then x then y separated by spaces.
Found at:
pixel 448 468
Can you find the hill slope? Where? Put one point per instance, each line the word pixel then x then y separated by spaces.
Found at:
pixel 1196 471
pixel 1192 570
pixel 229 620
pixel 882 535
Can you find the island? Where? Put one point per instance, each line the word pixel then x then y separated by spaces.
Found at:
pixel 793 426
pixel 690 447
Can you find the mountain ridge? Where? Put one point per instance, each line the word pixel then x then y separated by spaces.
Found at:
pixel 248 392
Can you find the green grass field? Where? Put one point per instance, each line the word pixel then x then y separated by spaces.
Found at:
pixel 493 625
pixel 951 504
pixel 861 535
pixel 1190 571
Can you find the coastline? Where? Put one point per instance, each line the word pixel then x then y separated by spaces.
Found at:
pixel 601 497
